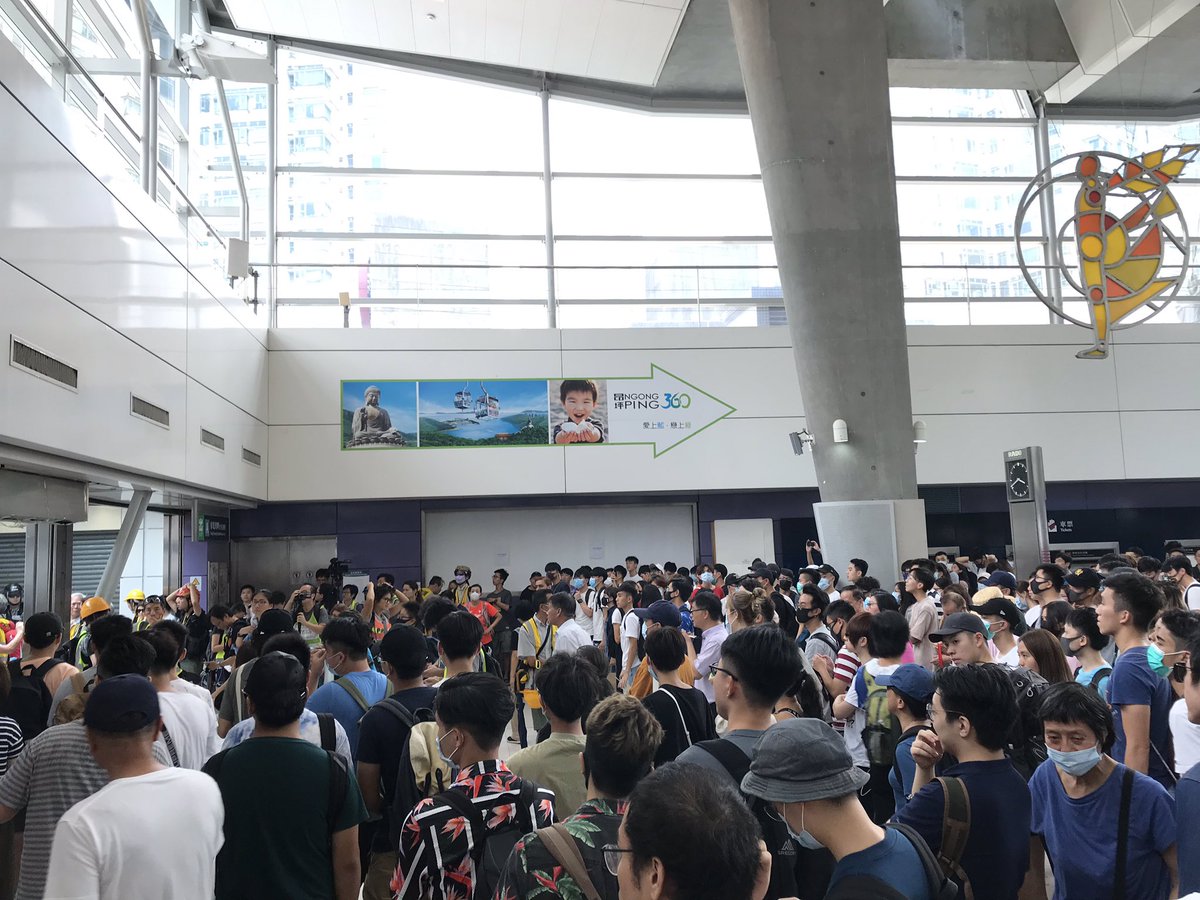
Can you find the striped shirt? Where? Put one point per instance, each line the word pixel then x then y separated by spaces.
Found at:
pixel 54 773
pixel 844 670
pixel 11 742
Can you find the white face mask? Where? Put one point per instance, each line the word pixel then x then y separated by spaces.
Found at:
pixel 475 595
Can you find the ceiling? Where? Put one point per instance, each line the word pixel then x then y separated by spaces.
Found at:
pixel 680 54
pixel 1163 76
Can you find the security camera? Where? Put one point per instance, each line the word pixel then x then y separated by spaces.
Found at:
pixel 799 439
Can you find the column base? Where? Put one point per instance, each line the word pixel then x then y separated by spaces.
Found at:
pixel 883 532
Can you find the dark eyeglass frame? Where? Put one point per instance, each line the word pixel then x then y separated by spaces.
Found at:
pixel 714 669
pixel 612 857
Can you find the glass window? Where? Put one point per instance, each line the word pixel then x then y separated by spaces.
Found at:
pixel 961 210
pixel 422 204
pixel 590 138
pixel 972 150
pixel 967 103
pixel 616 206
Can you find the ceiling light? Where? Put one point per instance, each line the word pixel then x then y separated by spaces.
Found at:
pixel 919 432
pixel 841 431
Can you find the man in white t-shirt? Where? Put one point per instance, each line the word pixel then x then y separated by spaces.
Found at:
pixel 99 844
pixel 631 629
pixel 189 731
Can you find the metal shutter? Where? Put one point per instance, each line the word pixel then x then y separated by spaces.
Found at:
pixel 90 551
pixel 12 558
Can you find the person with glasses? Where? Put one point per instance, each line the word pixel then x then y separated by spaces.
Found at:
pixel 686 833
pixel 972 711
pixel 622 737
pixel 710 626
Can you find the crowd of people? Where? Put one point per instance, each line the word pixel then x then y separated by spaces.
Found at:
pixel 632 731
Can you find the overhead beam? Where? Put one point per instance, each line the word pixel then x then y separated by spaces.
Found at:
pixel 1106 33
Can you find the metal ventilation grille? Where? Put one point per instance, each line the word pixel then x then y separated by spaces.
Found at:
pixel 940 500
pixel 146 410
pixel 38 363
pixel 213 440
pixel 255 459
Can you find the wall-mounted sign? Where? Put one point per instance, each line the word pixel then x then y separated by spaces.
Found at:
pixel 660 410
pixel 212 528
pixel 1122 250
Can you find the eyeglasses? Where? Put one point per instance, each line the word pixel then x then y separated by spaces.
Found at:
pixel 612 857
pixel 713 670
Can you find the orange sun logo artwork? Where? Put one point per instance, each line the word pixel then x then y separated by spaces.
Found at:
pixel 1122 251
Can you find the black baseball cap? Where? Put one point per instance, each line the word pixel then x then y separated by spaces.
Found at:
pixel 959 622
pixel 14 590
pixel 1002 607
pixel 121 704
pixel 274 621
pixel 1084 578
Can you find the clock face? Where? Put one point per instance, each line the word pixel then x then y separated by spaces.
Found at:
pixel 1018 480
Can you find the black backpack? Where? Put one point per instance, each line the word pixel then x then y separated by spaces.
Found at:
pixel 1026 744
pixel 868 887
pixel 783 850
pixel 409 790
pixel 490 852
pixel 29 700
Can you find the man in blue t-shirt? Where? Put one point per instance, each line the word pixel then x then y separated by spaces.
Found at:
pixel 1140 700
pixel 802 768
pixel 909 693
pixel 1078 796
pixel 344 645
pixel 972 711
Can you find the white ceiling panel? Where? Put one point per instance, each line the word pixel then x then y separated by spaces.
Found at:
pixel 468 28
pixel 431 36
pixel 539 38
pixel 359 26
pixel 394 21
pixel 504 22
pixel 321 17
pixel 576 36
pixel 616 40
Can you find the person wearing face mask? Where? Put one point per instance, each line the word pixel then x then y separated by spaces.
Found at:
pixel 1172 631
pixel 1087 808
pixel 827 581
pixel 356 688
pixel 485 612
pixel 494 806
pixel 972 711
pixel 1045 586
pixel 1081 639
pixel 460 586
pixel 803 770
pixel 1084 586
pixel 815 637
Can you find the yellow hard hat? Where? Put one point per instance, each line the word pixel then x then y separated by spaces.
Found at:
pixel 134 595
pixel 93 605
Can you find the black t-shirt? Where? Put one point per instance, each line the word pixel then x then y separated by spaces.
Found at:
pixel 381 740
pixel 198 630
pixel 683 713
pixel 508 620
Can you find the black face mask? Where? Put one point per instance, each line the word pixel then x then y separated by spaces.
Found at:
pixel 1075 596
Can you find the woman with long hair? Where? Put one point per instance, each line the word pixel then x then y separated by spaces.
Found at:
pixel 1040 651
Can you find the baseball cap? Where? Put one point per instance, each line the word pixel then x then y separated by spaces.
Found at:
pixel 273 621
pixel 1084 578
pixel 981 597
pixel 1002 580
pixel 1002 607
pixel 14 590
pixel 664 612
pixel 959 622
pixel 121 704
pixel 42 628
pixel 764 573
pixel 910 679
pixel 798 760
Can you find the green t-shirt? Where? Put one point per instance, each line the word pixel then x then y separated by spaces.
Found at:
pixel 277 840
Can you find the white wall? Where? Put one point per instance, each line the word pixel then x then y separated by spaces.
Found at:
pixel 95 274
pixel 980 390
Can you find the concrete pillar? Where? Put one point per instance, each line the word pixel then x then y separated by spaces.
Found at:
pixel 816 77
